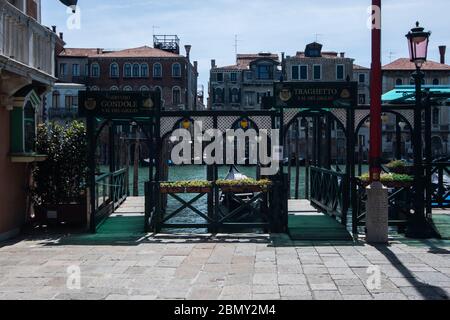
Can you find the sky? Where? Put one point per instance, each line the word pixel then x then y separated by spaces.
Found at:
pixel 276 26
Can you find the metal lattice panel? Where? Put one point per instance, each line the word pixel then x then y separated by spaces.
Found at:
pixel 207 122
pixel 341 115
pixel 409 115
pixel 360 115
pixel 167 124
pixel 290 114
pixel 226 122
pixel 263 122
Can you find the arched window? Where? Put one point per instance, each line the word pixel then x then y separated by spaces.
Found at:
pixel 114 88
pixel 436 82
pixel 218 95
pixel 114 70
pixel 55 99
pixel 157 70
pixel 95 70
pixel 127 70
pixel 435 116
pixel 176 96
pixel 127 88
pixel 176 70
pixel 144 70
pixel 235 95
pixel 136 70
pixel 399 82
pixel 144 88
pixel 95 88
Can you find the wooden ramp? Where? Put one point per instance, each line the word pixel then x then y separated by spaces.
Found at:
pixel 306 223
pixel 441 223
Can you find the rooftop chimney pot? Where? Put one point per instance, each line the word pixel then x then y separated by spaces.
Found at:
pixel 442 50
pixel 61 36
pixel 213 63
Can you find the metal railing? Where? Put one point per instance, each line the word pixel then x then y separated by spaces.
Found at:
pixel 330 191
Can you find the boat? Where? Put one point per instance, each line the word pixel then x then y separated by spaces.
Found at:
pixel 228 200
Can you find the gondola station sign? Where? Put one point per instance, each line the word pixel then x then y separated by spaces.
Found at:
pixel 316 94
pixel 118 103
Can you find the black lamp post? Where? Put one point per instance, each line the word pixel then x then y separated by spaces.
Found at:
pixel 70 3
pixel 418 226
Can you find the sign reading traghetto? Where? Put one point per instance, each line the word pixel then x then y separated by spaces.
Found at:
pixel 316 94
pixel 118 103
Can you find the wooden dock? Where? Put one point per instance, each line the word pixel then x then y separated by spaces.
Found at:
pixel 441 223
pixel 307 223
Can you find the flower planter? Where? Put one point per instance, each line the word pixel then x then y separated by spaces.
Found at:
pixel 409 170
pixel 70 213
pixel 243 188
pixel 166 190
pixel 388 184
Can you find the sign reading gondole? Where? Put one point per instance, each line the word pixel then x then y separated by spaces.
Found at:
pixel 320 94
pixel 118 103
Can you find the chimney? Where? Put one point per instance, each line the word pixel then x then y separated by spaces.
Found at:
pixel 99 51
pixel 195 65
pixel 54 29
pixel 342 54
pixel 213 64
pixel 188 50
pixel 442 50
pixel 61 36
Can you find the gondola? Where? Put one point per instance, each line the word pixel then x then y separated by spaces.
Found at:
pixel 228 201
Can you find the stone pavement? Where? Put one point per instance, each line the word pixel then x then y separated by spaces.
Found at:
pixel 165 268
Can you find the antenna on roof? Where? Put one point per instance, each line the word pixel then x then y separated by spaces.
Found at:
pixel 317 35
pixel 391 54
pixel 236 41
pixel 154 28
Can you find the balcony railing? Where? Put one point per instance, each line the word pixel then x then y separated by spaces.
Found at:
pixel 62 113
pixel 25 40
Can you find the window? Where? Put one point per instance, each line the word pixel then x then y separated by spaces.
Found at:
pixel 63 69
pixel 220 77
pixel 127 70
pixel 176 96
pixel 95 88
pixel 399 82
pixel 317 72
pixel 218 95
pixel 176 70
pixel 233 77
pixel 144 88
pixel 249 75
pixel 436 82
pixel 263 72
pixel 95 70
pixel 157 70
pixel 340 72
pixel 144 70
pixel 114 88
pixel 303 72
pixel 55 99
pixel 136 70
pixel 295 73
pixel 250 98
pixel 29 128
pixel 114 70
pixel 362 99
pixel 235 98
pixel 362 78
pixel 127 88
pixel 86 70
pixel 76 70
pixel 435 117
pixel 68 102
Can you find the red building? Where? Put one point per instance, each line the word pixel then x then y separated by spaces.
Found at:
pixel 144 68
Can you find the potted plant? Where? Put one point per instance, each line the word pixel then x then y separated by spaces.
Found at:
pixel 390 180
pixel 59 182
pixel 244 185
pixel 400 167
pixel 193 186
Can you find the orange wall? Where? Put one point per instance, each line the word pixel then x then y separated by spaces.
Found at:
pixel 12 182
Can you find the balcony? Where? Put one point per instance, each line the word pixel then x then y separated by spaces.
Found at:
pixel 25 41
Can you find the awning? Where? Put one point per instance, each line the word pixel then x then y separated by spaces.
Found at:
pixel 406 94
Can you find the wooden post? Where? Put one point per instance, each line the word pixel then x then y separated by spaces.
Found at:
pixel 307 175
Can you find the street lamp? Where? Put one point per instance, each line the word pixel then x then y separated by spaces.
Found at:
pixel 418 226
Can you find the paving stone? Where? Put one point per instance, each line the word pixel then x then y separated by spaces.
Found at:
pixel 327 295
pixel 265 279
pixel 265 289
pixel 294 290
pixel 204 293
pixel 353 290
pixel 286 279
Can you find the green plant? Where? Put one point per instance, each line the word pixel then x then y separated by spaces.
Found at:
pixel 61 177
pixel 390 177
pixel 397 164
pixel 187 184
pixel 244 182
